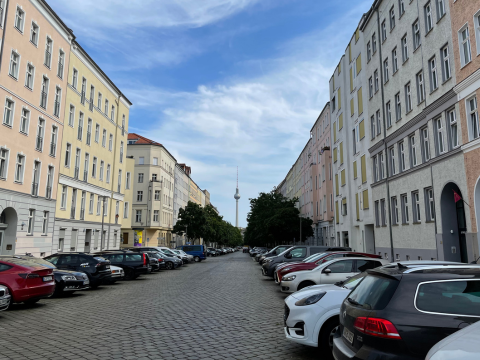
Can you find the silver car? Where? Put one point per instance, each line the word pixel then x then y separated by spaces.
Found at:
pixel 5 298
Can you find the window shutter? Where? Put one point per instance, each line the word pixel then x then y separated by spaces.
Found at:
pixel 361 129
pixel 341 153
pixel 360 101
pixel 354 169
pixel 357 205
pixel 337 220
pixel 342 175
pixel 365 199
pixel 359 64
pixel 334 131
pixel 340 122
pixel 336 185
pixel 352 107
pixel 339 99
pixel 351 79
pixel 364 169
pixel 335 155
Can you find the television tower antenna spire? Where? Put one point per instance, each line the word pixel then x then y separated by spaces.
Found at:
pixel 237 197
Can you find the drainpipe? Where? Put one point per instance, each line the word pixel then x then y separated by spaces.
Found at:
pixel 387 182
pixel 4 31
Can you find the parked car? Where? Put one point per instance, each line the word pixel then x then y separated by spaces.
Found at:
pixel 311 314
pixel 277 250
pixel 183 255
pixel 257 250
pixel 293 254
pixel 199 252
pixel 133 264
pixel 313 261
pixel 211 252
pixel 166 253
pixel 169 252
pixel 189 257
pixel 330 272
pixel 66 282
pixel 26 281
pixel 462 345
pixel 117 273
pixel 402 312
pixel 5 298
pixel 157 255
pixel 96 267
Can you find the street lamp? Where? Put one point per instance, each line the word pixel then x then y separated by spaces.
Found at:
pixel 102 237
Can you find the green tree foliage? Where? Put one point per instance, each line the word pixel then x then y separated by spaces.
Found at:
pixel 274 219
pixel 191 221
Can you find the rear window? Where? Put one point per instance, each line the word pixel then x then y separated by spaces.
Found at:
pixel 192 248
pixel 133 257
pixel 450 297
pixel 298 253
pixel 4 267
pixel 374 292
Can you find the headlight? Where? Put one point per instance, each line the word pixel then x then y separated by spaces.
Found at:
pixel 311 299
pixel 68 277
pixel 290 278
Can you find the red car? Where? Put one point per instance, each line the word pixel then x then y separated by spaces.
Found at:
pixel 27 281
pixel 313 261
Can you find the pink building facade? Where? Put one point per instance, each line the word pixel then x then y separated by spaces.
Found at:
pixel 34 59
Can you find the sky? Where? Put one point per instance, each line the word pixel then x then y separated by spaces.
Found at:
pixel 220 83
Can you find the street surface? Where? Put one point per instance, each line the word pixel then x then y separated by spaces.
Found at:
pixel 221 308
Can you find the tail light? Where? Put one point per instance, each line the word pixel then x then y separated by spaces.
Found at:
pixel 376 327
pixel 144 259
pixel 160 260
pixel 29 276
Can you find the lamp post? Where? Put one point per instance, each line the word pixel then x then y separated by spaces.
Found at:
pixel 103 220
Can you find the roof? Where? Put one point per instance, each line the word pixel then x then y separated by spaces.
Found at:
pixel 327 105
pixel 141 140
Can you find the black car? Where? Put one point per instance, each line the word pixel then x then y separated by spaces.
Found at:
pixel 134 264
pixel 96 267
pixel 401 312
pixel 160 261
pixel 66 282
pixel 211 252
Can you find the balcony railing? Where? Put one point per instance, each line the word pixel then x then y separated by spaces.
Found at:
pixel 48 192
pixel 60 70
pixel 72 213
pixel 53 149
pixel 48 58
pixel 85 175
pixel 43 99
pixel 83 98
pixel 82 214
pixel 56 109
pixel 77 170
pixel 35 189
pixel 39 143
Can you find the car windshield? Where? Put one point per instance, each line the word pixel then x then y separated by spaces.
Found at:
pixel 314 257
pixel 168 252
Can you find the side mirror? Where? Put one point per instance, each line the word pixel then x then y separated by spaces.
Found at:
pixel 327 271
pixel 288 256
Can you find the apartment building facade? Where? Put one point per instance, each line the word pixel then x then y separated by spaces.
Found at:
pixel 181 196
pixel 34 60
pixel 416 141
pixel 93 174
pixel 153 181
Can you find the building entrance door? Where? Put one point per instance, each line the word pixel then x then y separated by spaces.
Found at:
pixel 453 224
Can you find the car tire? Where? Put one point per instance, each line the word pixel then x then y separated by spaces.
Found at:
pixel 129 274
pixel 197 259
pixel 305 284
pixel 325 338
pixel 169 265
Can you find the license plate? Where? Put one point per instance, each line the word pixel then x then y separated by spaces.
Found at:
pixel 347 334
pixel 47 278
pixel 107 267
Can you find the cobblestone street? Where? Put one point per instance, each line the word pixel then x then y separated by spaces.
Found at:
pixel 221 308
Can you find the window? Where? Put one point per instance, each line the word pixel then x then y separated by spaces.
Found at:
pixel 425 144
pixel 398 107
pixel 464 42
pixel 127 181
pixel 104 138
pixel 430 204
pixel 14 64
pixel 140 177
pixel 61 63
pixel 452 119
pixel 48 52
pixel 63 203
pixel 75 78
pixel 8 113
pixel 154 177
pixel 369 52
pixel 385 70
pixel 446 71
pixel 439 137
pixel 155 161
pixel 375 75
pixel 374 43
pixel 381 168
pixel 77 163
pixel 71 116
pixel 53 141
pixel 33 33
pixel 440 9
pixel 58 99
pixel 473 118
pixel 121 152
pixel 40 134
pixel 401 154
pixel 97 133
pixel 19 168
pixel 413 151
pixel 416 35
pixel 29 76
pixel 375 169
pixel 383 212
pixel 108 173
pixel 401 6
pixel 394 205
pixel 85 168
pixel 408 98
pixel 94 167
pixel 377 213
pixel 35 177
pixel 370 87
pixel 155 215
pixel 477 31
pixel 99 205
pixel 391 152
pixel 82 205
pixel 139 196
pixel 404 48
pixel 105 206
pixel 123 125
pixel 384 30
pixel 432 65
pixel 125 210
pixel 102 167
pixel 31 220
pixel 420 88
pixel 67 155
pixel 89 131
pixel 112 113
pixel 404 204
pixel 99 105
pixel 106 106
pixel 392 18
pixel 110 142
pixel 19 19
pixel 91 203
pixel 138 216
pixel 44 92
pixel 416 207
pixel 428 18
pixel 80 127
pixel 3 163
pixel 157 194
pixel 24 121
pixel 141 160
pixel 389 114
pixel 372 126
pixel 119 180
pixel 379 123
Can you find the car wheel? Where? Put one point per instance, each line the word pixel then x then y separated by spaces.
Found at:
pixel 305 284
pixel 325 338
pixel 197 259
pixel 129 274
pixel 169 265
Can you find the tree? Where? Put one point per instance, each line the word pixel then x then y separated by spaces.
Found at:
pixel 191 221
pixel 274 219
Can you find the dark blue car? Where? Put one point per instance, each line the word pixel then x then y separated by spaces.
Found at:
pixel 199 252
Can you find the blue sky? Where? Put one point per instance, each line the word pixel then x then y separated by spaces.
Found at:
pixel 220 83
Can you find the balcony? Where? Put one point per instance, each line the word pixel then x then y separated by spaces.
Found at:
pixel 48 58
pixel 39 143
pixel 53 149
pixel 56 109
pixel 72 213
pixel 43 100
pixel 48 192
pixel 77 170
pixel 82 214
pixel 85 175
pixel 83 98
pixel 34 189
pixel 60 70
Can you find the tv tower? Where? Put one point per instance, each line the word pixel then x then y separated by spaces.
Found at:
pixel 237 197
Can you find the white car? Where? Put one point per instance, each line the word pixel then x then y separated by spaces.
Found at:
pixel 183 256
pixel 330 272
pixel 117 273
pixel 189 257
